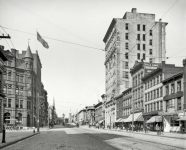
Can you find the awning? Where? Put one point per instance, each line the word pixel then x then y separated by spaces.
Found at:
pixel 137 117
pixel 154 119
pixel 182 118
pixel 119 120
pixel 101 121
pixel 122 120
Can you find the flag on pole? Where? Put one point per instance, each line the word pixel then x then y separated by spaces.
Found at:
pixel 43 42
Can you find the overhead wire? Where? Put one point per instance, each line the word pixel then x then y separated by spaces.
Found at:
pixel 48 21
pixel 56 39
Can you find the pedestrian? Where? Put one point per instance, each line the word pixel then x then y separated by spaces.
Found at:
pixel 181 128
pixel 145 128
pixel 162 130
pixel 157 129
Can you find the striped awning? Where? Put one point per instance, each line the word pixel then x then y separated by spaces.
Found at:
pixel 119 120
pixel 137 117
pixel 155 119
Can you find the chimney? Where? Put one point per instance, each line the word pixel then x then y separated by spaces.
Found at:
pixel 134 10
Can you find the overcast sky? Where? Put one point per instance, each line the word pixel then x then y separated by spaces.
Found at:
pixel 75 74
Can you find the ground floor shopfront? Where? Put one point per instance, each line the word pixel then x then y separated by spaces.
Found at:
pixel 168 122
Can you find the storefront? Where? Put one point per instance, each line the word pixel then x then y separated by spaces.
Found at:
pixel 151 123
pixel 136 117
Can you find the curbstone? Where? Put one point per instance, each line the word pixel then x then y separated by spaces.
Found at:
pixel 16 141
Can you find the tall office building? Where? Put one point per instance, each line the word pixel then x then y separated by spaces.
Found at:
pixel 136 36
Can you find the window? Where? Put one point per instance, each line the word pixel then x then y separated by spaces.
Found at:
pixel 126 26
pixel 150 33
pixel 138 45
pixel 158 80
pixel 143 37
pixel 123 74
pixel 160 77
pixel 179 103
pixel 150 42
pixel 21 91
pixel 154 106
pixel 118 38
pixel 151 95
pixel 126 45
pixel 179 86
pixel 126 56
pixel 5 103
pixel 157 105
pixel 157 93
pixel 143 27
pixel 143 56
pixel 167 90
pixel 138 37
pixel 138 27
pixel 5 75
pixel 161 91
pixel 9 102
pixel 21 103
pixel 138 56
pixel 5 88
pixel 21 78
pixel 126 36
pixel 9 89
pixel 150 60
pixel 17 90
pixel 126 75
pixel 161 105
pixel 146 97
pixel 126 65
pixel 154 94
pixel 29 79
pixel 172 88
pixel 126 84
pixel 9 63
pixel 9 75
pixel 150 51
pixel 17 103
pixel 17 78
pixel 144 47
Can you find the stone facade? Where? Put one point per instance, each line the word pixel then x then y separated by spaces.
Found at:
pixel 23 88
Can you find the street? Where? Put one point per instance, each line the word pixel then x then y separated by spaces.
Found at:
pixel 73 138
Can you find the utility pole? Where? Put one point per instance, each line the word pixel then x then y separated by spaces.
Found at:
pixel 4 130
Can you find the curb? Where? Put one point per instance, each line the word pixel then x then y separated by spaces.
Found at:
pixel 183 138
pixel 16 141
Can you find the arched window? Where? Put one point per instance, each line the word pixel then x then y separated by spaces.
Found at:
pixel 7 117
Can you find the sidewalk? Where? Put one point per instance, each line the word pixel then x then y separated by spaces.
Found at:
pixel 166 134
pixel 12 137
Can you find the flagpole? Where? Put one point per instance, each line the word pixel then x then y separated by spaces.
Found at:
pixel 36 39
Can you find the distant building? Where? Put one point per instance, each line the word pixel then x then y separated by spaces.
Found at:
pixel 134 37
pixel 90 115
pixel 99 114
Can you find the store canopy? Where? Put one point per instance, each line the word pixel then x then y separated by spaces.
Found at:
pixel 137 117
pixel 182 118
pixel 119 120
pixel 122 120
pixel 101 121
pixel 154 119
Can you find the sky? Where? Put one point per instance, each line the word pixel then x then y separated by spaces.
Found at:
pixel 75 75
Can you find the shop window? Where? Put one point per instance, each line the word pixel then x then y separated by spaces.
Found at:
pixel 179 86
pixel 179 103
